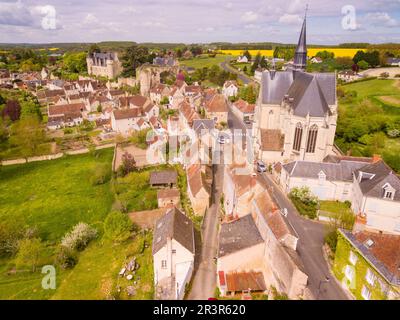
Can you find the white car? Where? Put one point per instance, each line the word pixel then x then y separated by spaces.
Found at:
pixel 261 166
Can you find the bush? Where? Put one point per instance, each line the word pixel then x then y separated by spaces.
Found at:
pixel 101 174
pixel 66 258
pixel 68 130
pixel 331 240
pixel 79 237
pixel 29 253
pixel 118 227
pixel 304 201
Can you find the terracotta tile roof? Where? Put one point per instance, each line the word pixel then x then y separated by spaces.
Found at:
pixel 167 193
pixel 65 109
pixel 193 88
pixel 148 107
pixel 217 104
pixel 116 92
pixel 243 183
pixel 188 112
pixel 383 254
pixel 195 179
pixel 229 83
pixel 138 101
pixel 127 113
pixel 158 88
pixel 272 140
pixel 244 106
pixel 240 281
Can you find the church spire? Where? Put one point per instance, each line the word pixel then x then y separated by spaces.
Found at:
pixel 300 57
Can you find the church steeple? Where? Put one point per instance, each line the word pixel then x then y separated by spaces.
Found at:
pixel 300 57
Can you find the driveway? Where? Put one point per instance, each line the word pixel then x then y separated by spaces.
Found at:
pixel 205 277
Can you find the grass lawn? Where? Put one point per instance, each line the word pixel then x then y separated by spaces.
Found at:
pixel 55 195
pixel 334 206
pixel 203 61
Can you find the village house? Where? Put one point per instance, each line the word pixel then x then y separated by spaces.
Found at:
pixel 217 108
pixel 173 255
pixel 163 179
pixel 187 115
pixel 376 198
pixel 326 180
pixel 239 190
pixel 159 92
pixel 316 60
pixel 242 59
pixel 104 64
pixel 176 97
pixel 198 189
pixel 67 115
pixel 367 264
pixel 243 110
pixel 168 197
pixel 240 249
pixel 115 94
pixel 395 62
pixel 230 89
pixel 124 121
pixel 282 266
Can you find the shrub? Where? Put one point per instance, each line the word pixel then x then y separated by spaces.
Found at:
pixel 79 237
pixel 118 227
pixel 331 240
pixel 68 130
pixel 101 174
pixel 10 233
pixel 29 253
pixel 304 201
pixel 66 258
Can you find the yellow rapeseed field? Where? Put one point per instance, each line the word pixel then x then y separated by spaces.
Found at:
pixel 339 52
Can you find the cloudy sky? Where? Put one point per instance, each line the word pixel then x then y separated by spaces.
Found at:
pixel 191 21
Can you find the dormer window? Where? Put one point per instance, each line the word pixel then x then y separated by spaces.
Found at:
pixel 388 191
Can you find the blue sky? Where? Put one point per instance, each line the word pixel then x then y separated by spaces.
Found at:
pixel 192 21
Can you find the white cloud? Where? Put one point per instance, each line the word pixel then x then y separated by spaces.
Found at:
pixel 229 5
pixel 290 19
pixel 381 19
pixel 90 19
pixel 249 16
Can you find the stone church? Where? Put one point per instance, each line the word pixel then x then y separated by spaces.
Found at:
pixel 296 112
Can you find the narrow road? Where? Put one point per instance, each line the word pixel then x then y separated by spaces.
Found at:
pixel 225 65
pixel 311 237
pixel 205 277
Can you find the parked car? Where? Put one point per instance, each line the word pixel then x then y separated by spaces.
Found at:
pixel 261 166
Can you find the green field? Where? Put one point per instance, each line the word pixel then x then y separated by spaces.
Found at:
pixel 203 61
pixel 54 196
pixel 369 117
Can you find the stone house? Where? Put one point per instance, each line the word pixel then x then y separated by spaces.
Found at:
pixel 198 189
pixel 168 197
pixel 217 108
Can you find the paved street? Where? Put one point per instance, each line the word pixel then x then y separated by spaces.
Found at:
pixel 204 281
pixel 246 79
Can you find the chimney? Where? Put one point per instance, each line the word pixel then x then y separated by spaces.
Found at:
pixel 376 158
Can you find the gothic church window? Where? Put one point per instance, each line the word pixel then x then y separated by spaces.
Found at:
pixel 312 139
pixel 298 133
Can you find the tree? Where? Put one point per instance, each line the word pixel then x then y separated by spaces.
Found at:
pixel 30 252
pixel 79 237
pixel 10 233
pixel 94 48
pixel 75 62
pixel 27 134
pixel 133 58
pixel 2 100
pixel 324 55
pixel 101 174
pixel 344 62
pixel 247 55
pixel 363 64
pixel 118 227
pixel 12 110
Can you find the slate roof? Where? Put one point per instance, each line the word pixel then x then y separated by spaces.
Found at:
pixel 163 177
pixel 203 124
pixel 382 174
pixel 307 93
pixel 342 171
pixel 238 235
pixel 173 225
pixel 384 254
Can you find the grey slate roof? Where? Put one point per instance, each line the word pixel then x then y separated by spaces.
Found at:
pixel 203 124
pixel 238 235
pixel 173 225
pixel 382 174
pixel 311 93
pixel 342 171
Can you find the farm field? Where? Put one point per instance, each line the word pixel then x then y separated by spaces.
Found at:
pixel 339 52
pixel 369 119
pixel 203 61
